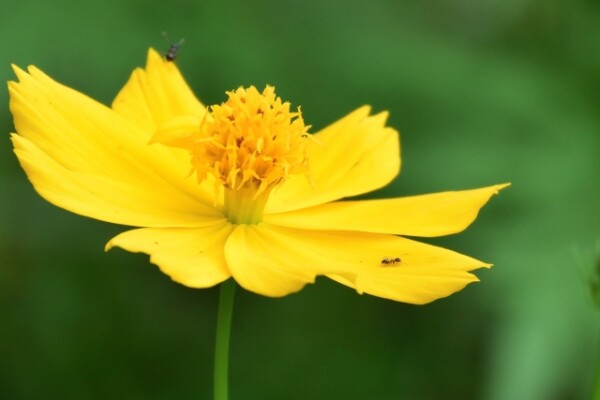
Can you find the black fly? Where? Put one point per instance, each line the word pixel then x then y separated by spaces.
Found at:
pixel 171 53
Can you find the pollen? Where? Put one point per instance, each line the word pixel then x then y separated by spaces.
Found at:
pixel 253 141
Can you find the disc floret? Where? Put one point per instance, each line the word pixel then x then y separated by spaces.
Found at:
pixel 250 144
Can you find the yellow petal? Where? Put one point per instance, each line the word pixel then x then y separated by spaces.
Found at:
pixel 427 215
pixel 153 96
pixel 355 155
pixel 262 263
pixel 192 257
pixel 414 285
pixel 424 273
pixel 156 94
pixel 275 261
pixel 177 132
pixel 65 137
pixel 106 199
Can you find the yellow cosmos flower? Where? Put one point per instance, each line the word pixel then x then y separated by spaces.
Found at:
pixel 239 189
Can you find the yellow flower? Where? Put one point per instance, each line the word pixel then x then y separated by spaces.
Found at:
pixel 239 189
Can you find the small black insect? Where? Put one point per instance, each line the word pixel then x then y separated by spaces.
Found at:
pixel 171 53
pixel 391 261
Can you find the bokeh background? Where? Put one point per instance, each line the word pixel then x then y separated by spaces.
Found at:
pixel 482 93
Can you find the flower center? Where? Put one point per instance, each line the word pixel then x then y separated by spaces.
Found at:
pixel 249 144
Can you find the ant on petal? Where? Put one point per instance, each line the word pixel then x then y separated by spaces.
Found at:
pixel 391 261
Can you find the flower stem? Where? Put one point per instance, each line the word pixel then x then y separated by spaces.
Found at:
pixel 226 295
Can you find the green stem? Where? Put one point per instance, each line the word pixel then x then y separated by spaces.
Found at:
pixel 226 295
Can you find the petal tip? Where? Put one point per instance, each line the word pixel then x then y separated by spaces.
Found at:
pixel 109 245
pixel 502 186
pixel 19 72
pixel 366 108
pixel 154 57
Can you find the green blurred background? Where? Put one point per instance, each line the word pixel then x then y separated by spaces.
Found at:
pixel 482 93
